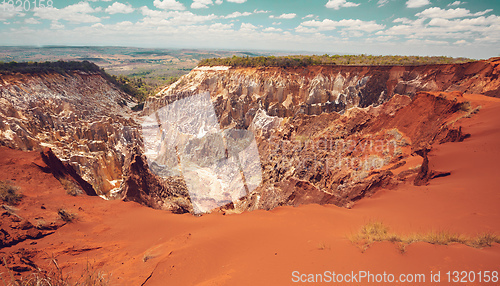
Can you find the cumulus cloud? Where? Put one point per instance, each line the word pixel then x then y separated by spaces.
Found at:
pixel 260 11
pixel 199 4
pixel 284 16
pixel 447 29
pixel 272 29
pixel 456 3
pixel 119 8
pixel 76 13
pixel 460 42
pixel 32 21
pixel 346 24
pixel 218 2
pixel 56 26
pixel 417 3
pixel 172 18
pixel 8 11
pixel 247 27
pixel 237 1
pixel 337 4
pixel 237 14
pixel 169 5
pixel 436 12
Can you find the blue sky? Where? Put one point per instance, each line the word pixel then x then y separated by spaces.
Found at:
pixel 405 27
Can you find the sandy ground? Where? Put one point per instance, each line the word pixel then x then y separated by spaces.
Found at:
pixel 141 246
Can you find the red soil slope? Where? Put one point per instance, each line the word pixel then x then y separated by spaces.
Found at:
pixel 141 246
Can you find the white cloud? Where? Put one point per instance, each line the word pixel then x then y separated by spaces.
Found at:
pixel 441 29
pixel 381 3
pixel 337 4
pixel 169 5
pixel 347 24
pixel 199 4
pixel 272 29
pixel 56 26
pixel 276 23
pixel 456 3
pixel 237 14
pixel 284 16
pixel 8 11
pixel 260 11
pixel 417 3
pixel 119 8
pixel 308 16
pixel 436 12
pixel 237 1
pixel 32 21
pixel 403 20
pixel 218 2
pixel 76 13
pixel 247 27
pixel 460 42
pixel 156 18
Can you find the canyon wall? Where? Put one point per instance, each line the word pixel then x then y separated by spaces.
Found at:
pixel 332 134
pixel 83 118
pixel 280 136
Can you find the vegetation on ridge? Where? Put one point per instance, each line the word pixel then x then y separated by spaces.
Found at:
pixel 60 67
pixel 303 60
pixel 135 87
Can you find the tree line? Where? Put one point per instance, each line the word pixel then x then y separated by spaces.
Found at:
pixel 61 67
pixel 307 60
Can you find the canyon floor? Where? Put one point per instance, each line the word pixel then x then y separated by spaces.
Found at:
pixel 135 245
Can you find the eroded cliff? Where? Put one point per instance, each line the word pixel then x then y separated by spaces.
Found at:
pixel 265 137
pixel 331 134
pixel 81 116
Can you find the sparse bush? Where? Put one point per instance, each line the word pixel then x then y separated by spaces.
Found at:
pixel 377 231
pixel 66 216
pixel 55 277
pixel 9 193
pixel 484 240
pixel 71 187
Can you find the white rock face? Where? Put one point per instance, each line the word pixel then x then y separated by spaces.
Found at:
pixel 218 166
pixel 86 121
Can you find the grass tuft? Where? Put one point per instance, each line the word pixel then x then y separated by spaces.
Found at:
pixel 377 231
pixel 323 246
pixel 9 193
pixel 55 277
pixel 66 215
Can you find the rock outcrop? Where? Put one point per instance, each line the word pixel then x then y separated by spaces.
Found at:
pixel 280 136
pixel 335 134
pixel 82 117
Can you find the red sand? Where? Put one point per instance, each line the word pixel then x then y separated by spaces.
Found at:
pixel 132 242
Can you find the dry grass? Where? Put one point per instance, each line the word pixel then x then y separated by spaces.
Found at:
pixel 71 187
pixel 323 246
pixel 66 215
pixel 9 193
pixel 377 232
pixel 55 277
pixel 468 112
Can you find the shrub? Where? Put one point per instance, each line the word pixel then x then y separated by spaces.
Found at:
pixel 377 231
pixel 66 216
pixel 9 193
